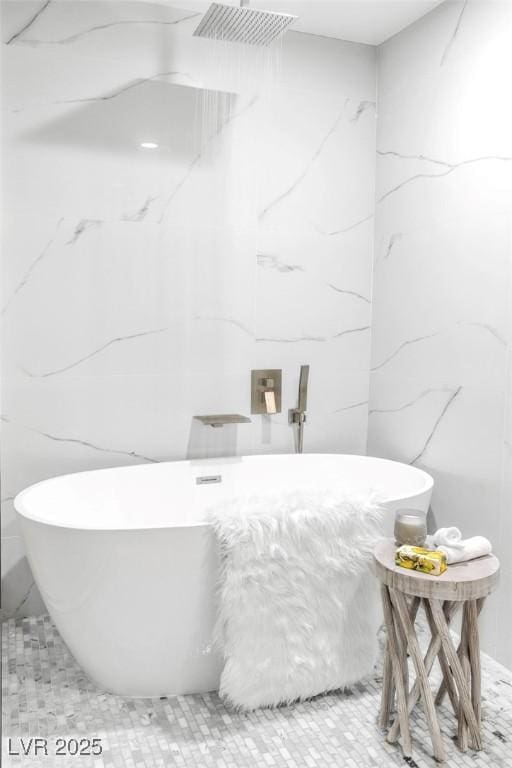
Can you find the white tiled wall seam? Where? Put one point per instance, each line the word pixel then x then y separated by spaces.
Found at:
pixel 141 286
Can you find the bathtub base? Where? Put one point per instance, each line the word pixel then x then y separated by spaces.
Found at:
pixel 207 682
pixel 136 608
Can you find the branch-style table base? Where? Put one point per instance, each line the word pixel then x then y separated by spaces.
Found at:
pixel 463 585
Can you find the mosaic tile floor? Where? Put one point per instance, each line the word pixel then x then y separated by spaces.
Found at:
pixel 46 694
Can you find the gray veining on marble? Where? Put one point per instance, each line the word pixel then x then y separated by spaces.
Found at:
pixel 305 337
pixel 137 83
pixel 24 598
pixel 361 108
pixel 227 116
pixel 393 240
pixel 141 213
pixel 26 277
pixel 268 261
pixel 226 320
pixel 403 345
pixel 82 226
pixel 347 292
pixel 291 340
pixel 454 34
pixel 392 153
pixel 460 323
pixel 77 441
pixel 28 24
pixel 90 355
pixel 99 28
pixel 362 404
pixel 452 167
pixel 412 402
pixel 312 160
pixel 348 228
pixel 348 331
pixel 488 328
pixel 436 425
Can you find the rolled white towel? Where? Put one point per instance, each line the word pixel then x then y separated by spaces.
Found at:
pixel 476 546
pixel 448 537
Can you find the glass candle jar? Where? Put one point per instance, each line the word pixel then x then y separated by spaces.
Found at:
pixel 410 527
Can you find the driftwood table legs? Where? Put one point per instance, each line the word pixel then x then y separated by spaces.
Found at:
pixel 461 668
pixel 462 586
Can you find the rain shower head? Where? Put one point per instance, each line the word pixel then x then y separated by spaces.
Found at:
pixel 240 24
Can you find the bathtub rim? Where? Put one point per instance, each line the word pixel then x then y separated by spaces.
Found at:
pixel 20 504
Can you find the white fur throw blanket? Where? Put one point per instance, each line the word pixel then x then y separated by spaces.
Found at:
pixel 298 601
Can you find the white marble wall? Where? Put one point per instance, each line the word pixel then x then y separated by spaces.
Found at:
pixel 441 330
pixel 139 287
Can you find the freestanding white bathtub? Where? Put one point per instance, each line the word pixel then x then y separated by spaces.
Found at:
pixel 127 566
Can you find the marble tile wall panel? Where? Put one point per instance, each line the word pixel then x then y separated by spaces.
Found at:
pixel 441 326
pixel 139 287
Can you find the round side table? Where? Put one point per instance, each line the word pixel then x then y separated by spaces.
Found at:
pixel 462 585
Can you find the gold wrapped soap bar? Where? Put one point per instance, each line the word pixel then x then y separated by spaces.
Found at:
pixel 419 559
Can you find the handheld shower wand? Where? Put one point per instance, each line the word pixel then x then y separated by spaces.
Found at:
pixel 298 415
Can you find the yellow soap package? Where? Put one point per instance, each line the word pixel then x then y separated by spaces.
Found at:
pixel 419 559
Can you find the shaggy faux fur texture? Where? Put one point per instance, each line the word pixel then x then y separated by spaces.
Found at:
pixel 298 601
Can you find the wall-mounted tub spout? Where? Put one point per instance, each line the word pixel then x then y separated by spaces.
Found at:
pixel 218 420
pixel 298 415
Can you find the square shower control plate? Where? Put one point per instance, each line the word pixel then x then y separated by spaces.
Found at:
pixel 262 381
